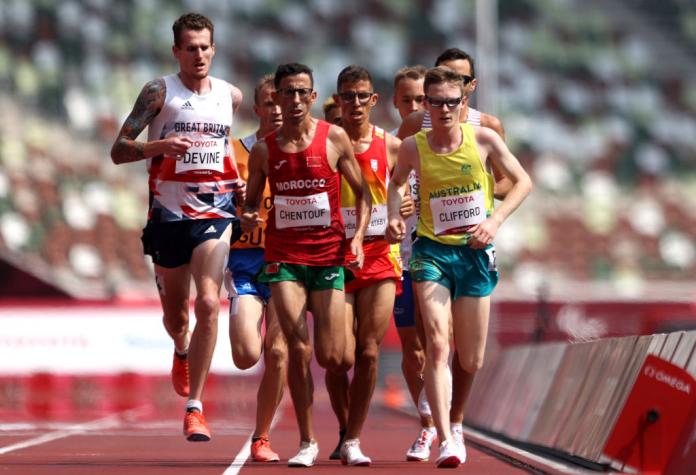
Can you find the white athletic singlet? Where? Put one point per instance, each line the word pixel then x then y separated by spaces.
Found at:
pixel 199 185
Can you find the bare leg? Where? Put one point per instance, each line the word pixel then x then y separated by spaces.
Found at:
pixel 375 305
pixel 290 301
pixel 435 302
pixel 245 330
pixel 270 390
pixel 470 323
pixel 207 263
pixel 337 382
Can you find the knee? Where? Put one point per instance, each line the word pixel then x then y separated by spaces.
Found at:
pixel 276 356
pixel 333 362
pixel 438 350
pixel 300 351
pixel 470 363
pixel 243 358
pixel 369 354
pixel 207 307
pixel 177 323
pixel 346 363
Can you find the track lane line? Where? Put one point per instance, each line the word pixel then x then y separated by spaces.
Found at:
pixel 113 420
pixel 243 455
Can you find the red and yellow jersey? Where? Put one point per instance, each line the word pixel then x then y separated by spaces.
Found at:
pixel 374 166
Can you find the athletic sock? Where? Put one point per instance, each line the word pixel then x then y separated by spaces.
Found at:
pixel 194 405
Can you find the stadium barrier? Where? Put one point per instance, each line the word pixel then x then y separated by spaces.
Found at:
pixel 627 403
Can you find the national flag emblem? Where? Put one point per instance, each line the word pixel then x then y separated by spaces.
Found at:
pixel 374 164
pixel 272 267
pixel 313 160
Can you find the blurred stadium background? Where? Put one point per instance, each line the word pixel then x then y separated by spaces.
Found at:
pixel 597 99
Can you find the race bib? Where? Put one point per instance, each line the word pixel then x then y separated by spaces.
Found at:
pixel 378 221
pixel 454 214
pixel 300 211
pixel 206 153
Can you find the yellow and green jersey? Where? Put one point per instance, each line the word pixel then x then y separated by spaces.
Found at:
pixel 456 191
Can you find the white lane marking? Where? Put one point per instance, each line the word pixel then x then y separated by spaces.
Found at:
pixel 244 454
pixel 111 421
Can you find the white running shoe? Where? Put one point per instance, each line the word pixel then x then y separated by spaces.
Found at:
pixel 420 450
pixel 449 455
pixel 352 455
pixel 306 456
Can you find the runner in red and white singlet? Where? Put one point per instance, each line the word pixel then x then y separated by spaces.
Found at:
pixel 192 200
pixel 304 236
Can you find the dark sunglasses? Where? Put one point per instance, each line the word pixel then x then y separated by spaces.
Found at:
pixel 451 102
pixel 363 97
pixel 304 92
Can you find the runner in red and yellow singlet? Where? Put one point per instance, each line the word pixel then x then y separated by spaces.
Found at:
pixel 371 290
pixel 305 248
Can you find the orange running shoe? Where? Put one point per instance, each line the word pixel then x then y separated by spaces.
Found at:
pixel 180 375
pixel 261 451
pixel 195 427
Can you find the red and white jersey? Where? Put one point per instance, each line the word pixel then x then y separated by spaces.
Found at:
pixel 305 224
pixel 201 184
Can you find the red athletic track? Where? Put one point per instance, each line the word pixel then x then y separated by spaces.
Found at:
pixel 146 439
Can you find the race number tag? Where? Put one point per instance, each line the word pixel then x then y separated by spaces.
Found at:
pixel 206 153
pixel 299 211
pixel 378 221
pixel 454 214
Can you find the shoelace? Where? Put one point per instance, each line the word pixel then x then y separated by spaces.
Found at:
pixel 423 438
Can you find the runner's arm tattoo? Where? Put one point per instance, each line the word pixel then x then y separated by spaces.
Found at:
pixel 149 103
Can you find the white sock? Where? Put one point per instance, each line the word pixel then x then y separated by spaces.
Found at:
pixel 456 426
pixel 194 404
pixel 179 352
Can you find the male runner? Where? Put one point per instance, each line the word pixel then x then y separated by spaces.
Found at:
pixel 370 293
pixel 249 298
pixel 453 262
pixel 192 182
pixel 462 63
pixel 305 247
pixel 409 98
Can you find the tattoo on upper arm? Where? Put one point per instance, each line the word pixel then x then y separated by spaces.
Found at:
pixel 147 106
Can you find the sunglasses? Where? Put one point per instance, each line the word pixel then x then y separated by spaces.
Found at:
pixel 348 97
pixel 450 102
pixel 304 92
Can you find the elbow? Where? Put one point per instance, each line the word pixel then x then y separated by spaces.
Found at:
pixel 115 155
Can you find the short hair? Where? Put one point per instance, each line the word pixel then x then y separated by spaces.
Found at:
pixel 409 72
pixel 353 73
pixel 265 81
pixel 329 105
pixel 192 21
pixel 453 54
pixel 440 75
pixel 291 69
